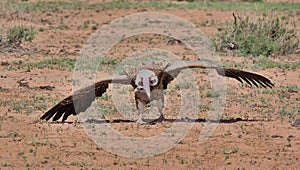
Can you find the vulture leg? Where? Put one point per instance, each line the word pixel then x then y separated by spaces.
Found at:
pixel 141 108
pixel 141 98
pixel 159 97
pixel 160 105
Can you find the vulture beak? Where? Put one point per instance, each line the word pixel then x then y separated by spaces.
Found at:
pixel 146 86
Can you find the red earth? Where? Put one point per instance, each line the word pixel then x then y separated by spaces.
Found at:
pixel 254 132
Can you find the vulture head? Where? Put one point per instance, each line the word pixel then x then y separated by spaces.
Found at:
pixel 145 79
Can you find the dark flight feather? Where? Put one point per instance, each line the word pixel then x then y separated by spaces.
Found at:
pixel 81 99
pixel 172 70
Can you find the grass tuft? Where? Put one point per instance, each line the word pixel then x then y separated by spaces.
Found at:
pixel 265 36
pixel 15 36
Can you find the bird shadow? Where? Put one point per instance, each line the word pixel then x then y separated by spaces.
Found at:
pixel 155 121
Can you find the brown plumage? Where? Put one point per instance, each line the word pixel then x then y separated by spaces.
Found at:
pixel 148 82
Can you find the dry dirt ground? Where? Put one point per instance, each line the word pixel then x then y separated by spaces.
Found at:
pixel 254 132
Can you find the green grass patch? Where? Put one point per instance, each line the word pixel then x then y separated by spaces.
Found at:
pixel 37 142
pixel 19 106
pixel 213 93
pixel 44 5
pixel 11 133
pixel 67 63
pixel 103 109
pixel 293 89
pixel 97 63
pixel 54 63
pixel 77 5
pixel 16 35
pixel 3 89
pixel 289 89
pixel 63 27
pixel 289 114
pixel 35 102
pixel 263 62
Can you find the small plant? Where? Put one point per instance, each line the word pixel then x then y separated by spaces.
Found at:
pixel 11 133
pixel 19 106
pixel 3 89
pixel 213 93
pixel 63 27
pixel 38 142
pixel 79 163
pixel 231 150
pixel 266 36
pixel 18 34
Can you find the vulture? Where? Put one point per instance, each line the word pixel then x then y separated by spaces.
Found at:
pixel 148 83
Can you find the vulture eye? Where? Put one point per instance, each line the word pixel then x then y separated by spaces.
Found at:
pixel 140 83
pixel 153 81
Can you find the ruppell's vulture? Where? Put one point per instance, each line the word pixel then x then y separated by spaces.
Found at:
pixel 148 84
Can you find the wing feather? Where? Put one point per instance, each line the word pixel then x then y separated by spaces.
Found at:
pixel 172 70
pixel 59 113
pixel 50 112
pixel 81 99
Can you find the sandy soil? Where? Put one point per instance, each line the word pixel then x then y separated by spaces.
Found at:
pixel 254 132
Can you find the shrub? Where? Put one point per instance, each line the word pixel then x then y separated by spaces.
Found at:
pixel 265 36
pixel 18 34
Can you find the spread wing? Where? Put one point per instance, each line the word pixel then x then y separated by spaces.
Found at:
pixel 82 98
pixel 172 70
